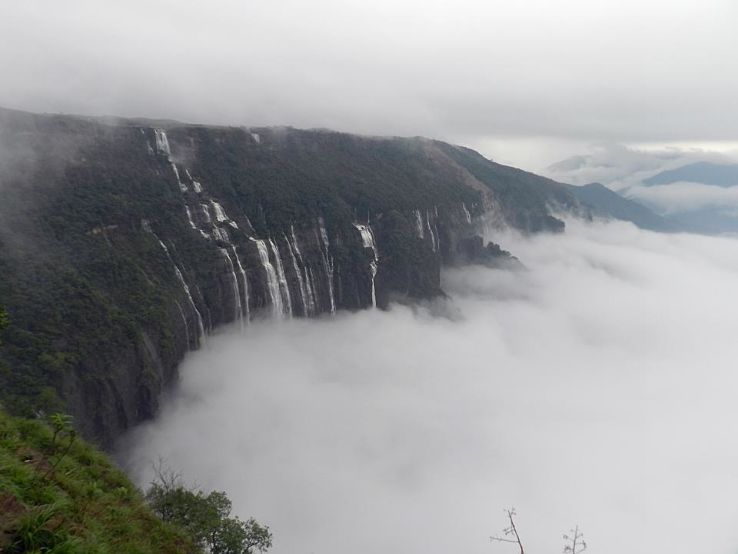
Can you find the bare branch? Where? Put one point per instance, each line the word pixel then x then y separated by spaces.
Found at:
pixel 575 543
pixel 510 531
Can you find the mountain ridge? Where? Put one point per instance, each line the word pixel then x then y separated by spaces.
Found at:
pixel 122 246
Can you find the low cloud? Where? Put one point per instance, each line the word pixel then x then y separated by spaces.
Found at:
pixel 469 71
pixel 684 197
pixel 620 167
pixel 597 387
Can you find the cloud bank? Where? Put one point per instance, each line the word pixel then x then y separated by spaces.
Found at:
pixel 464 71
pixel 597 387
pixel 684 197
pixel 621 167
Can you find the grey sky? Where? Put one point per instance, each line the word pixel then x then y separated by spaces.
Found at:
pixel 528 81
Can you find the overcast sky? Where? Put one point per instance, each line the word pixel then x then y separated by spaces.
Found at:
pixel 526 82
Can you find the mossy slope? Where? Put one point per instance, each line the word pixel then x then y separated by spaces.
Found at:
pixel 78 502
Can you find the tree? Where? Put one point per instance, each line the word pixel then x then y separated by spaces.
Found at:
pixel 574 540
pixel 206 517
pixel 62 426
pixel 510 533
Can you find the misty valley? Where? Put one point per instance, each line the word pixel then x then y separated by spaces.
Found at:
pixel 251 339
pixel 575 389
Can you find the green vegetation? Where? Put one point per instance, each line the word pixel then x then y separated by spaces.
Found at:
pixel 206 517
pixel 97 330
pixel 60 495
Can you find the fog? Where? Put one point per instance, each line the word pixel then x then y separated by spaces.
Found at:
pixel 683 197
pixel 471 71
pixel 595 387
pixel 624 168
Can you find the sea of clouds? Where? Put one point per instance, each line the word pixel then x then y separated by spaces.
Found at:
pixel 597 387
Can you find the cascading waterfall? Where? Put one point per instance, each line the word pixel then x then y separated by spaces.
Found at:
pixel 182 186
pixel 300 280
pixel 327 262
pixel 310 287
pixel 200 327
pixel 272 281
pixel 238 308
pixel 419 224
pixel 186 288
pixel 221 235
pixel 283 286
pixel 246 308
pixel 184 320
pixel 189 217
pixel 309 295
pixel 430 230
pixel 467 215
pixel 162 147
pixel 206 213
pixel 162 142
pixel 367 239
pixel 196 186
pixel 242 309
pixel 220 214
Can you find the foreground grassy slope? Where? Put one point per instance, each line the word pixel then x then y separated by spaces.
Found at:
pixel 78 502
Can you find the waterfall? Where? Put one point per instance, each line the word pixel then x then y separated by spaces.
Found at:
pixel 221 235
pixel 238 309
pixel 310 307
pixel 284 288
pixel 200 326
pixel 430 231
pixel 189 217
pixel 162 147
pixel 246 308
pixel 300 280
pixel 186 289
pixel 327 262
pixel 184 320
pixel 310 290
pixel 206 213
pixel 367 238
pixel 197 187
pixel 467 215
pixel 271 275
pixel 162 142
pixel 419 224
pixel 182 186
pixel 309 286
pixel 220 214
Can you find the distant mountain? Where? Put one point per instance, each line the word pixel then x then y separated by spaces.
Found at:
pixel 710 220
pixel 604 202
pixel 706 173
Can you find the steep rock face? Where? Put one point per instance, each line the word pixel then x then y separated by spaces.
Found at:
pixel 122 246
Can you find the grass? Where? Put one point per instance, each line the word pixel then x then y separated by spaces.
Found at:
pixel 56 498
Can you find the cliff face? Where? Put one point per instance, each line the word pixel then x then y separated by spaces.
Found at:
pixel 123 245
